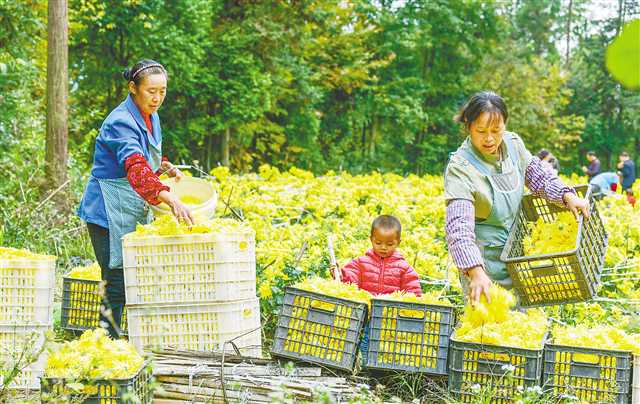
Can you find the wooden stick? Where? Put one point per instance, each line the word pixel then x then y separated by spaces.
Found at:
pixel 332 258
pixel 199 377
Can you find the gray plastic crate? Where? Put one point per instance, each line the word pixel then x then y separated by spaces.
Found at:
pixel 319 329
pixel 561 277
pixel 592 375
pixel 135 390
pixel 505 370
pixel 410 337
pixel 81 301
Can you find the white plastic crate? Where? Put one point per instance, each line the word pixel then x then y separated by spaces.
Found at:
pixel 190 268
pixel 26 291
pixel 14 340
pixel 202 327
pixel 635 385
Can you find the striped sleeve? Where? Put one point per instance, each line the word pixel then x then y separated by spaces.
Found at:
pixel 542 182
pixel 460 234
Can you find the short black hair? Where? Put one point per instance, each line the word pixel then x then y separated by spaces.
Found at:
pixel 591 153
pixel 484 101
pixel 387 222
pixel 543 153
pixel 142 69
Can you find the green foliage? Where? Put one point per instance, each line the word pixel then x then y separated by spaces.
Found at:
pixel 610 111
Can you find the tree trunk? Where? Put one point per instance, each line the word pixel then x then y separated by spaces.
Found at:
pixel 225 147
pixel 57 93
pixel 568 33
pixel 375 129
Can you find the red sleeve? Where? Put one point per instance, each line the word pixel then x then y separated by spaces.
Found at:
pixel 351 273
pixel 410 281
pixel 142 178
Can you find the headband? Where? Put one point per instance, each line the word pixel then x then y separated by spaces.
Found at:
pixel 133 76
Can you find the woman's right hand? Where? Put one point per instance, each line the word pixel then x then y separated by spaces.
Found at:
pixel 179 209
pixel 479 283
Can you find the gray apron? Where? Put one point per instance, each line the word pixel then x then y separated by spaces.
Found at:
pixel 125 208
pixel 491 234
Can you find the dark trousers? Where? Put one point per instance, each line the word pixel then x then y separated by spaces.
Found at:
pixel 114 298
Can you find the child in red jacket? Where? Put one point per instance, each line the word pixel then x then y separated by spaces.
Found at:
pixel 382 269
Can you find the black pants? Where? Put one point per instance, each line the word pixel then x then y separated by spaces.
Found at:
pixel 114 298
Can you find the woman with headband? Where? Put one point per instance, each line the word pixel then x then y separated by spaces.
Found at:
pixel 126 163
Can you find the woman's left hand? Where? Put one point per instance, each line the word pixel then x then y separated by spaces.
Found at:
pixel 576 204
pixel 167 167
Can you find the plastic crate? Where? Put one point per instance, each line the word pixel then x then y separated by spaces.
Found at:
pixel 26 291
pixel 635 385
pixel 562 277
pixel 318 329
pixel 592 375
pixel 201 327
pixel 81 301
pixel 409 336
pixel 505 370
pixel 15 341
pixel 190 268
pixel 135 390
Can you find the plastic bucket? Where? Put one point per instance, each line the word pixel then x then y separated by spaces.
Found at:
pixel 196 188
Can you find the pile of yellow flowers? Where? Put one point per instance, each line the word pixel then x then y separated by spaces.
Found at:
pixel 89 273
pixel 426 298
pixel 167 225
pixel 497 324
pixel 94 356
pixel 597 337
pixel 622 222
pixel 191 200
pixel 289 209
pixel 334 288
pixel 548 238
pixel 9 254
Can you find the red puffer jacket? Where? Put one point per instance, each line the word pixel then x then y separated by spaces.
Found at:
pixel 379 275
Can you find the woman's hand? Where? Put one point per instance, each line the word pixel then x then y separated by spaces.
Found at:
pixel 576 204
pixel 179 209
pixel 479 283
pixel 171 170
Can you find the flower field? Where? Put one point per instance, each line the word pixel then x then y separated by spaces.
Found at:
pixel 293 212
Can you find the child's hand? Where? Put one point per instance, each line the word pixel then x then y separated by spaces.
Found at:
pixel 334 269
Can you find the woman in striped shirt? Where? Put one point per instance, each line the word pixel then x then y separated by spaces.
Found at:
pixel 484 185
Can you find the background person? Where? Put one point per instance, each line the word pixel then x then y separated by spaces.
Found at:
pixel 594 165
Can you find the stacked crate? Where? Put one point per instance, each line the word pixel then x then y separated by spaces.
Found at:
pixel 26 313
pixel 194 291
